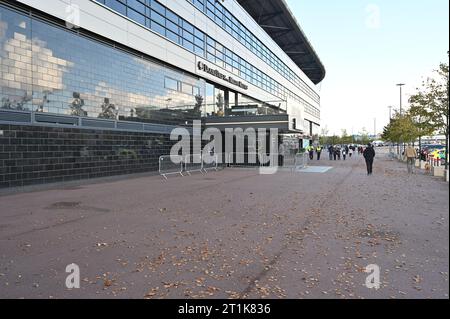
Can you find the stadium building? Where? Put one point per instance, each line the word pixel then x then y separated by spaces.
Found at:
pixel 94 88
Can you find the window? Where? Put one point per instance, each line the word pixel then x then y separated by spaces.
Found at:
pixel 187 88
pixel 196 90
pixel 171 84
pixel 137 5
pixel 135 16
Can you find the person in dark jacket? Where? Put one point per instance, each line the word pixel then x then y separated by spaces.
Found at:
pixel 331 152
pixel 369 155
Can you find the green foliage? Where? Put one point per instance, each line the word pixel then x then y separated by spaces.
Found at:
pixel 428 114
pixel 402 128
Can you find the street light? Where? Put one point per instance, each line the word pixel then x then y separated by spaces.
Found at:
pixel 391 145
pixel 401 85
pixel 390 112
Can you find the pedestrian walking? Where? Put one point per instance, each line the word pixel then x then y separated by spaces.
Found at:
pixel 350 152
pixel 411 155
pixel 369 155
pixel 338 152
pixel 319 152
pixel 310 150
pixel 344 154
pixel 331 152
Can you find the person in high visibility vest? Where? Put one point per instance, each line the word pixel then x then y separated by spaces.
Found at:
pixel 310 150
pixel 319 152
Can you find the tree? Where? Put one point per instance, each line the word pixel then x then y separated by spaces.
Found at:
pixel 345 138
pixel 430 104
pixel 402 128
pixel 364 137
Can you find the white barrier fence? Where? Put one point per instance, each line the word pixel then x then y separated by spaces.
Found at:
pixel 170 165
pixel 177 165
pixel 301 161
pixel 253 160
pixel 211 162
pixel 193 163
pixel 202 163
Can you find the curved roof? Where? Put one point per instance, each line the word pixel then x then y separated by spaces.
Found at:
pixel 275 17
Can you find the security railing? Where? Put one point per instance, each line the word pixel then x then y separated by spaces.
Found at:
pixel 237 159
pixel 301 161
pixel 181 165
pixel 171 165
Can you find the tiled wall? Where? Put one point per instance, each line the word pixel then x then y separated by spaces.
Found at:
pixel 32 155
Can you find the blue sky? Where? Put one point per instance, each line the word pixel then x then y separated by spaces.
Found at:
pixel 369 46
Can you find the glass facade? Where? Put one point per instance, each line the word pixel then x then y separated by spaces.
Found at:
pixel 223 18
pixel 46 68
pixel 153 15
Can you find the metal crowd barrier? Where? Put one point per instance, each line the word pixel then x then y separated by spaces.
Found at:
pixel 170 165
pixel 177 165
pixel 301 161
pixel 253 160
pixel 210 162
pixel 193 163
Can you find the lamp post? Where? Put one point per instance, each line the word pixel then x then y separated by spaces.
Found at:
pixel 391 145
pixel 401 85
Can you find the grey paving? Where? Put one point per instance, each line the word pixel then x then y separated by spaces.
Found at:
pixel 232 234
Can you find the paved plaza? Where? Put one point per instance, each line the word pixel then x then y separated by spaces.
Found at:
pixel 232 234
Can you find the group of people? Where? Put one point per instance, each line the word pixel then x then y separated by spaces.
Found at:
pixel 314 149
pixel 335 152
pixel 338 152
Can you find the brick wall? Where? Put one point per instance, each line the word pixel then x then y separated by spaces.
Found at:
pixel 32 155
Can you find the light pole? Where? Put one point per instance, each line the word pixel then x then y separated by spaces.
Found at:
pixel 401 85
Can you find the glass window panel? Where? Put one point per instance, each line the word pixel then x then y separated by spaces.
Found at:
pixel 187 88
pixel 117 6
pixel 158 18
pixel 158 7
pixel 188 27
pixel 188 45
pixel 200 51
pixel 136 5
pixel 158 28
pixel 173 36
pixel 172 16
pixel 188 36
pixel 171 84
pixel 136 17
